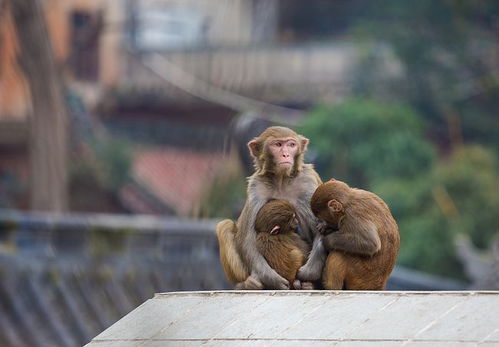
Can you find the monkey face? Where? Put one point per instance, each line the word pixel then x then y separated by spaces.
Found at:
pixel 276 216
pixel 330 222
pixel 327 204
pixel 278 151
pixel 293 223
pixel 285 223
pixel 283 151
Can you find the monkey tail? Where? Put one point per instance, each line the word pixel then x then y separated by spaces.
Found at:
pixel 224 226
pixel 233 266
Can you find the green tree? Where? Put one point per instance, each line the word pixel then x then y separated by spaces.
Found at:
pixel 365 141
pixel 471 178
pixel 114 160
pixel 456 196
pixel 448 51
pixel 224 198
pixel 226 193
pixel 381 147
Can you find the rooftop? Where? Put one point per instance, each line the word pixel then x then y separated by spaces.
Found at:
pixel 177 177
pixel 309 318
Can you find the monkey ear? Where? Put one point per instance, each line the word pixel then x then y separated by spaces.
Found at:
pixel 334 205
pixel 254 147
pixel 304 143
pixel 275 230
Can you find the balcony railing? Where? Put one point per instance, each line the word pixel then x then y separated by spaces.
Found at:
pixel 276 74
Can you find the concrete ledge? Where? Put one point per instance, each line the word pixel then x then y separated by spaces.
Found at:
pixel 309 318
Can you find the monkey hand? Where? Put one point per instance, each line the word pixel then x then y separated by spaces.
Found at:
pixel 272 280
pixel 322 227
pixel 309 272
pixel 325 228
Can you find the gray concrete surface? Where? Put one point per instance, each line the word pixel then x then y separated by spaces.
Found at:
pixel 309 318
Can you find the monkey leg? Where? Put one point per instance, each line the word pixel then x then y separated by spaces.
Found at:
pixel 344 271
pixel 335 269
pixel 358 283
pixel 233 266
pixel 361 277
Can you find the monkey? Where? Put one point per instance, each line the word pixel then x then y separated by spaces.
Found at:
pixel 280 173
pixel 283 249
pixel 359 232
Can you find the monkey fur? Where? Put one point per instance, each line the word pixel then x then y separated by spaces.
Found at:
pixel 360 234
pixel 277 240
pixel 241 260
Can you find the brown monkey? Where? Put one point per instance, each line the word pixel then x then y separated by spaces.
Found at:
pixel 360 234
pixel 279 174
pixel 276 225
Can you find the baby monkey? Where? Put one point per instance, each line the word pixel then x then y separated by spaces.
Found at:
pixel 277 240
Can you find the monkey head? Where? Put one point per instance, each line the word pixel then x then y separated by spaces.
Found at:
pixel 328 203
pixel 276 216
pixel 278 150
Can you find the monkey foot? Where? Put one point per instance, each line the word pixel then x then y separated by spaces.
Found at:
pixel 305 285
pixel 250 283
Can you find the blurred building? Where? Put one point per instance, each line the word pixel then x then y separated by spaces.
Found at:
pixel 171 75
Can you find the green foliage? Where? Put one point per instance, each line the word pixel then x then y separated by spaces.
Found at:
pixel 381 147
pixel 12 189
pixel 366 141
pixel 224 197
pixel 97 172
pixel 457 196
pixel 113 156
pixel 106 241
pixel 471 178
pixel 447 51
pixel 449 76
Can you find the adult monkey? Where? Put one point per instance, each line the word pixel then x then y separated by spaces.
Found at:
pixel 279 174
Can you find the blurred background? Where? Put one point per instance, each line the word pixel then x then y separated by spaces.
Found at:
pixel 124 123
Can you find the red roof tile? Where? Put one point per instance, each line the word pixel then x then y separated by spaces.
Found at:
pixel 178 177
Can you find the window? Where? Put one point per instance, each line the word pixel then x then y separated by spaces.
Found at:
pixel 85 34
pixel 164 27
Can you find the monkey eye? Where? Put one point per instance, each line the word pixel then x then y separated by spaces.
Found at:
pixel 277 144
pixel 292 144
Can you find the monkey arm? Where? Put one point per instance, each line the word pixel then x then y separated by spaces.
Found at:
pixel 312 270
pixel 363 239
pixel 259 268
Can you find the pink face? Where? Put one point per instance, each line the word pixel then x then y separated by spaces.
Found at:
pixel 284 151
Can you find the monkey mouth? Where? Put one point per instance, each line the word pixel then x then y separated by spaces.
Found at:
pixel 285 163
